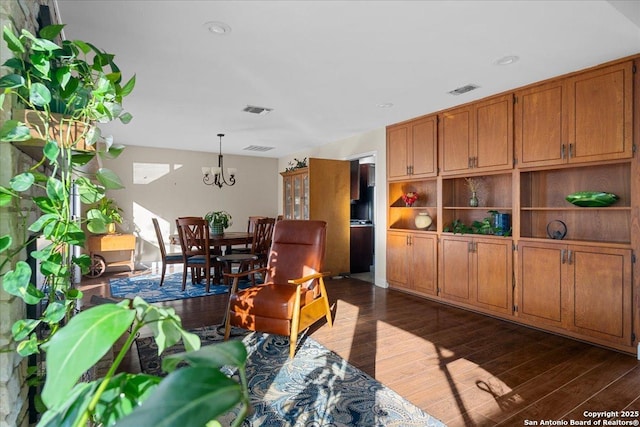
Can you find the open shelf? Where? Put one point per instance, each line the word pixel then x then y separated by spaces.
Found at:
pixel 543 200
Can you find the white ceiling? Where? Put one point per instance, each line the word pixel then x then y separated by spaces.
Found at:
pixel 325 66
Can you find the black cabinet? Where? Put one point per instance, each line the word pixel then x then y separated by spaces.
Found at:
pixel 361 248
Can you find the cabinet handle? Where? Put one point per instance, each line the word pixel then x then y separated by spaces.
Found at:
pixel 562 254
pixel 408 240
pixel 569 256
pixel 471 247
pixel 570 150
pixel 411 170
pixel 562 151
pixel 475 162
pixel 469 163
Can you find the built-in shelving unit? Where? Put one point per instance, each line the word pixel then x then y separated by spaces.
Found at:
pixel 526 150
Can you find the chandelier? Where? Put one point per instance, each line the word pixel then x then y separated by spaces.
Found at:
pixel 216 175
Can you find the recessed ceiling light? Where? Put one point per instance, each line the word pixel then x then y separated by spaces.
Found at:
pixel 218 28
pixel 507 60
pixel 385 105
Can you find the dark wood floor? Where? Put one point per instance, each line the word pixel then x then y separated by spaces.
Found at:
pixel 463 368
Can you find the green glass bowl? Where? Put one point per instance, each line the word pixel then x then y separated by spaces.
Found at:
pixel 592 199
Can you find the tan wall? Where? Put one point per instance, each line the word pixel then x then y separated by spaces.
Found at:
pixel 168 183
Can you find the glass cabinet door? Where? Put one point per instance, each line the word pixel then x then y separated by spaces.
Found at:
pixel 288 198
pixel 297 196
pixel 305 196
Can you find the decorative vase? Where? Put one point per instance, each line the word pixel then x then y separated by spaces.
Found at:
pixel 111 228
pixel 423 220
pixel 216 229
pixel 473 201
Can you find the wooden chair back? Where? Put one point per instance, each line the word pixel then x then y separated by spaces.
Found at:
pixel 262 238
pixel 163 250
pixel 194 236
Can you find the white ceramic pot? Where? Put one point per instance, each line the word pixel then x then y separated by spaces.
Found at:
pixel 423 221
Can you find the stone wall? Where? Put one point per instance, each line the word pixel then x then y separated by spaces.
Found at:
pixel 13 389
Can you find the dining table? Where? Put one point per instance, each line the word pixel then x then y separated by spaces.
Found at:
pixel 218 241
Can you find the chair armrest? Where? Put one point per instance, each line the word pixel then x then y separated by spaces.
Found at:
pixel 245 273
pixel 309 277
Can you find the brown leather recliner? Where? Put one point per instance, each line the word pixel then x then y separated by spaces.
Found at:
pixel 293 295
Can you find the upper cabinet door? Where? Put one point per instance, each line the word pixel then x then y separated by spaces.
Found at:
pixel 585 118
pixel 398 152
pixel 455 140
pixel 477 137
pixel 600 114
pixel 412 148
pixel 494 133
pixel 539 125
pixel 424 147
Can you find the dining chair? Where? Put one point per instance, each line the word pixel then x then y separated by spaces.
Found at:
pixel 250 227
pixel 293 296
pixel 167 258
pixel 196 251
pixel 257 256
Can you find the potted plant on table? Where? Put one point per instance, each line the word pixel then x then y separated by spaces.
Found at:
pixel 219 221
pixel 104 217
pixel 67 89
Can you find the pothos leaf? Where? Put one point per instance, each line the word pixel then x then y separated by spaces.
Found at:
pixel 16 282
pixel 22 182
pixel 79 345
pixel 5 242
pixel 109 179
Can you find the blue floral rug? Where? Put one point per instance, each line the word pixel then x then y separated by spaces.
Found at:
pixel 315 388
pixel 148 287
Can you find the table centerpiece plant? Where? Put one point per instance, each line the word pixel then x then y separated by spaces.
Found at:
pixel 219 221
pixel 69 88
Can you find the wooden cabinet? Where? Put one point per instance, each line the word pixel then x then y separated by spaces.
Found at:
pixel 296 194
pixel 412 148
pixel 361 248
pixel 412 262
pixel 582 289
pixel 477 137
pixel 571 270
pixel 321 191
pixel 477 271
pixel 583 118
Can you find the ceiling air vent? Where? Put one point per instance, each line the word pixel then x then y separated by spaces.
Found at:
pixel 464 89
pixel 257 110
pixel 257 148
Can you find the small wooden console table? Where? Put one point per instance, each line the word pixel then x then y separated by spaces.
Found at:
pixel 107 243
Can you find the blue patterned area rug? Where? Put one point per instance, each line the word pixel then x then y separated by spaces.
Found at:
pixel 147 286
pixel 315 388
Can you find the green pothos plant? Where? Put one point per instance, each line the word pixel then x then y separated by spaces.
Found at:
pixel 67 90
